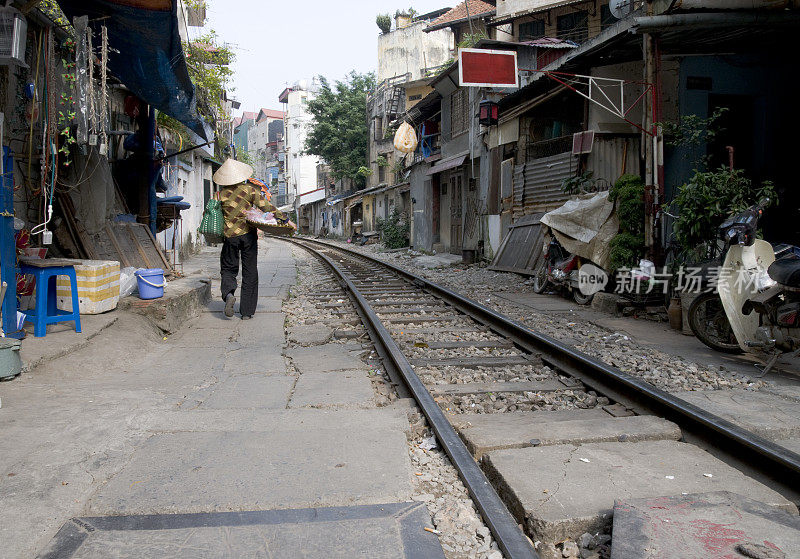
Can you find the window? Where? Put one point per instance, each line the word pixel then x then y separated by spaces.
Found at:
pixel 606 17
pixel 378 128
pixel 531 30
pixel 574 26
pixel 381 173
pixel 459 108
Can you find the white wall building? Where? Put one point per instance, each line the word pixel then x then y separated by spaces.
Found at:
pixel 301 169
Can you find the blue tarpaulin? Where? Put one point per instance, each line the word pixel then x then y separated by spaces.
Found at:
pixel 150 60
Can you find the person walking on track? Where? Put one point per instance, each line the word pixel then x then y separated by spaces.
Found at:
pixel 236 196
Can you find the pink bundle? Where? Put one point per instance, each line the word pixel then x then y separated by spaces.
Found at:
pixel 254 215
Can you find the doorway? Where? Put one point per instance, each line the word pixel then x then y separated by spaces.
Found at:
pixel 436 205
pixel 456 212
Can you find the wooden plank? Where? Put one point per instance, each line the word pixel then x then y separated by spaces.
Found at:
pixel 496 387
pixel 126 263
pixel 135 243
pixel 473 362
pixel 162 256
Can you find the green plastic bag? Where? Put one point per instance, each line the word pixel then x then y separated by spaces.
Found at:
pixel 212 226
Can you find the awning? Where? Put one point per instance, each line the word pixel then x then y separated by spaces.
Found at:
pixel 146 53
pixel 449 163
pixel 313 196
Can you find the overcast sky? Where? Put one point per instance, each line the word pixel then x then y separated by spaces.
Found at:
pixel 280 42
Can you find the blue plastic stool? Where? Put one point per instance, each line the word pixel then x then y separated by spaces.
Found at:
pixel 46 310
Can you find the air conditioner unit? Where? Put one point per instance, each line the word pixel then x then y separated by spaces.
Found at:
pixel 13 34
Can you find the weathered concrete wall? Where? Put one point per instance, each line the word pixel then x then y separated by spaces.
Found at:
pixel 410 50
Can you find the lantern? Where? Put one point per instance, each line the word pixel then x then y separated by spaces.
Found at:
pixel 488 113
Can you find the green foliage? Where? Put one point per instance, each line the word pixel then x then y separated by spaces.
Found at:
pixel 381 161
pixel 469 40
pixel 628 245
pixel 339 132
pixel 245 157
pixel 411 12
pixel 707 200
pixel 208 62
pixel 691 131
pixel 52 10
pixel 628 193
pixel 626 249
pixel 66 106
pixel 384 23
pixel 394 230
pixel 579 184
pixel 391 130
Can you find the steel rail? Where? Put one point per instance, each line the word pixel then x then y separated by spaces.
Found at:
pixel 745 450
pixel 505 530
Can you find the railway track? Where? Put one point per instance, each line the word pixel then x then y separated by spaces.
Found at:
pixel 452 354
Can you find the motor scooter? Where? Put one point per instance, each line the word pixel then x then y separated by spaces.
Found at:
pixel 759 290
pixel 560 270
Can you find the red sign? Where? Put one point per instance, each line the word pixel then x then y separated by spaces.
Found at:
pixel 487 68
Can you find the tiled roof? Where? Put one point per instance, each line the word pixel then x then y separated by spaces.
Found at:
pixel 271 113
pixel 477 8
pixel 237 121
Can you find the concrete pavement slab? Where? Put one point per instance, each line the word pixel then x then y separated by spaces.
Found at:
pixel 288 468
pixel 251 391
pixel 385 531
pixel 527 429
pixel 265 304
pixel 310 334
pixel 708 525
pixel 768 415
pixel 268 421
pixel 324 358
pixel 333 389
pixel 255 359
pixel 574 487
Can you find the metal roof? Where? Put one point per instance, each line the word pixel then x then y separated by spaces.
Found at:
pixel 499 20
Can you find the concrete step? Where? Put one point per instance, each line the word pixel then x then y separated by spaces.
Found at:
pixel 711 525
pixel 390 530
pixel 559 492
pixel 484 433
pixel 769 415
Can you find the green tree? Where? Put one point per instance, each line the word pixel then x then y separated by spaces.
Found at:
pixel 339 133
pixel 208 62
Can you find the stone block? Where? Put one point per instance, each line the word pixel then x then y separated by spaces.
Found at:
pixel 606 302
pixel 709 525
pixel 488 432
pixel 562 491
pixel 769 415
pixel 333 389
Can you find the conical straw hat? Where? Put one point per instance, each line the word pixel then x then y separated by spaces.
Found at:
pixel 232 172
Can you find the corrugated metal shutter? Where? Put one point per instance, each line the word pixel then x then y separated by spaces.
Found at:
pixel 611 157
pixel 537 184
pixel 522 248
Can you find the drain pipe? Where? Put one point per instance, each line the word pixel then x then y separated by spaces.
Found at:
pixel 646 24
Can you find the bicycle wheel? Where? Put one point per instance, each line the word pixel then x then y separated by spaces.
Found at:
pixel 709 323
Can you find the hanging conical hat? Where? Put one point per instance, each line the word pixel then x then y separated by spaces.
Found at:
pixel 232 172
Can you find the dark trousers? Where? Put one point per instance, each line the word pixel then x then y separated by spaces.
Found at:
pixel 247 245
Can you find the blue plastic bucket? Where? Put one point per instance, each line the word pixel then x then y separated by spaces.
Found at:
pixel 151 283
